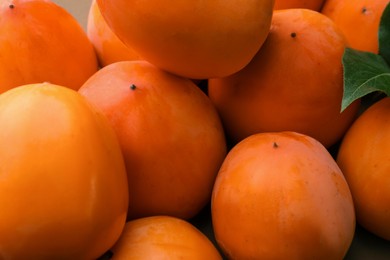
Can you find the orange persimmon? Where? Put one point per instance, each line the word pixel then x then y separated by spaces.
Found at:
pixel 63 184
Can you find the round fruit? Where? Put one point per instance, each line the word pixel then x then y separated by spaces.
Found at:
pixel 294 83
pixel 109 48
pixel 63 186
pixel 358 19
pixel 163 237
pixel 41 42
pixel 170 133
pixel 194 39
pixel 364 159
pixel 282 196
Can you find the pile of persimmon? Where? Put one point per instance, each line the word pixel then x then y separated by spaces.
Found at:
pixel 115 136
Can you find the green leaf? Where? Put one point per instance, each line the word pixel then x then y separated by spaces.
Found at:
pixel 384 34
pixel 364 73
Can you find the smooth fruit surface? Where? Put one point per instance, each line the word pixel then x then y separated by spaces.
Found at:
pixel 109 48
pixel 294 83
pixel 163 237
pixel 63 186
pixel 282 196
pixel 170 133
pixel 41 42
pixel 358 19
pixel 308 4
pixel 364 159
pixel 194 39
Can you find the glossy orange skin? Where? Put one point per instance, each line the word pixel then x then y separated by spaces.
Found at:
pixel 309 4
pixel 109 48
pixel 63 185
pixel 163 237
pixel 41 42
pixel 195 39
pixel 282 196
pixel 170 133
pixel 358 19
pixel 364 159
pixel 294 83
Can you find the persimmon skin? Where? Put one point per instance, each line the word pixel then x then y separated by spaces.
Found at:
pixel 364 159
pixel 347 14
pixel 109 48
pixel 163 237
pixel 194 39
pixel 282 196
pixel 42 42
pixel 63 185
pixel 294 83
pixel 315 5
pixel 170 134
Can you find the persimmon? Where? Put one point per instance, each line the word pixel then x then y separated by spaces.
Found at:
pixel 109 48
pixel 163 237
pixel 42 42
pixel 294 83
pixel 282 196
pixel 358 20
pixel 309 4
pixel 364 159
pixel 63 185
pixel 171 136
pixel 194 39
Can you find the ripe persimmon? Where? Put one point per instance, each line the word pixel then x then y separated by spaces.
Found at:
pixel 163 237
pixel 170 133
pixel 63 184
pixel 308 4
pixel 358 20
pixel 42 42
pixel 294 83
pixel 282 196
pixel 194 39
pixel 364 158
pixel 109 48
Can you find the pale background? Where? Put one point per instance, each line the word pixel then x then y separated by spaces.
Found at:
pixel 78 8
